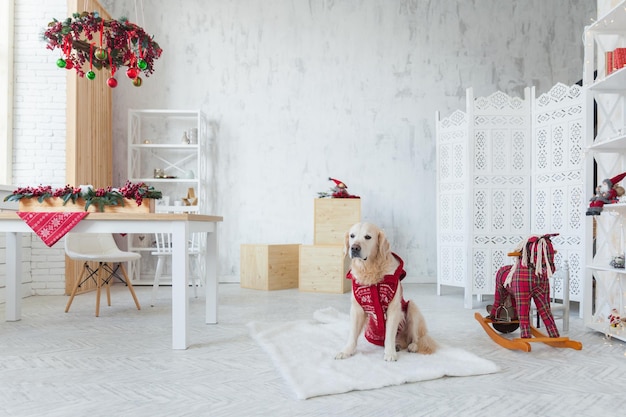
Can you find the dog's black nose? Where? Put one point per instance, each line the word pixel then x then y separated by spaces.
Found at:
pixel 355 251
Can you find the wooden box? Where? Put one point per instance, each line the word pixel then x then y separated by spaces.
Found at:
pixel 55 204
pixel 269 267
pixel 333 217
pixel 323 268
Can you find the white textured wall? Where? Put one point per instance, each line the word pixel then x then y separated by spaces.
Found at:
pixel 303 90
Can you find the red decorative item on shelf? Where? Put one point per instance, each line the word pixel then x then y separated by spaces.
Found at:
pixel 608 192
pixel 339 191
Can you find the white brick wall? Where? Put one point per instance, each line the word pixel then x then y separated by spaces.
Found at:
pixel 40 97
pixel 39 135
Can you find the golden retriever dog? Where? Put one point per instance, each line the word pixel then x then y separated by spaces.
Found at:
pixel 376 272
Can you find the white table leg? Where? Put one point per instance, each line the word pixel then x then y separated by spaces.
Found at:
pixel 211 268
pixel 13 276
pixel 180 300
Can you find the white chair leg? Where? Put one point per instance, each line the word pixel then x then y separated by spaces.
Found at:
pixel 157 277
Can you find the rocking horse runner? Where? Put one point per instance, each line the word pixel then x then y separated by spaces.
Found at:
pixel 516 285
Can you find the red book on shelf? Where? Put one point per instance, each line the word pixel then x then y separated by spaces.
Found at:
pixel 608 65
pixel 619 58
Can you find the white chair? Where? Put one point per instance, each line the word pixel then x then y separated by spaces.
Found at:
pixel 559 307
pixel 101 248
pixel 164 250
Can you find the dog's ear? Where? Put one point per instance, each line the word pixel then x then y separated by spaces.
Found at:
pixel 384 249
pixel 346 248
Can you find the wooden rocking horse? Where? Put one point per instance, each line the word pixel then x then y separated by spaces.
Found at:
pixel 516 285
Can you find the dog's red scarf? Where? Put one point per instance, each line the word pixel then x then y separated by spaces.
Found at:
pixel 375 300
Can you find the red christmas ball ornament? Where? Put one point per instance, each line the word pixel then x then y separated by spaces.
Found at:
pixel 101 54
pixel 69 64
pixel 112 82
pixel 132 73
pixel 137 82
pixel 61 63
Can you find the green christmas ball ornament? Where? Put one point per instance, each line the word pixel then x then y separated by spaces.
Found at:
pixel 61 63
pixel 91 75
pixel 137 82
pixel 142 64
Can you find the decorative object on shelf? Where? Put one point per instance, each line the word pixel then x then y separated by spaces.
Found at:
pixel 608 192
pixel 185 139
pixel 85 196
pixel 340 190
pixel 191 199
pixel 617 262
pixel 193 136
pixel 614 318
pixel 112 44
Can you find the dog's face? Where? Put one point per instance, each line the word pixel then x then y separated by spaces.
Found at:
pixel 366 241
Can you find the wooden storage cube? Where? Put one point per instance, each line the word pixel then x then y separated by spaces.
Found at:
pixel 323 268
pixel 269 267
pixel 333 217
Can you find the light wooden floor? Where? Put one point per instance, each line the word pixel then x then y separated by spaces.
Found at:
pixel 121 364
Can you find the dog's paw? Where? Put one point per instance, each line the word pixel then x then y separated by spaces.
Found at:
pixel 391 357
pixel 425 345
pixel 342 355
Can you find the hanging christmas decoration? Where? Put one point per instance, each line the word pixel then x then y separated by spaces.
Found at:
pixel 132 73
pixel 111 82
pixel 111 44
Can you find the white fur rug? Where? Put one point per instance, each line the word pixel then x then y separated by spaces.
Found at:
pixel 303 352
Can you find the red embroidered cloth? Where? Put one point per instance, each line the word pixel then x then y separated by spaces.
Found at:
pixel 51 226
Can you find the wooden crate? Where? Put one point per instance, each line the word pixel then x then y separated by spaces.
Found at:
pixel 333 217
pixel 323 268
pixel 269 267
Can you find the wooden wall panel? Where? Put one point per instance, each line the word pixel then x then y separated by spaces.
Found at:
pixel 89 144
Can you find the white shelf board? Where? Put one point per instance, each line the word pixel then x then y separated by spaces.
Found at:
pixel 607 268
pixel 606 329
pixel 186 146
pixel 614 144
pixel 612 84
pixel 172 180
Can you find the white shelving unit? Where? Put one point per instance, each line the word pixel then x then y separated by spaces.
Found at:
pixel 605 286
pixel 171 151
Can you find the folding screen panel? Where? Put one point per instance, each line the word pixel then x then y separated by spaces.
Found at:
pixel 508 168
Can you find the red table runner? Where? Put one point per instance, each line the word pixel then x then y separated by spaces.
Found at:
pixel 51 226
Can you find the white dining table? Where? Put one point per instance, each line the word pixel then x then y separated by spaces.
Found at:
pixel 180 225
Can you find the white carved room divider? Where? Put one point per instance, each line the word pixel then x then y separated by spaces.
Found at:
pixel 507 168
pixel 558 179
